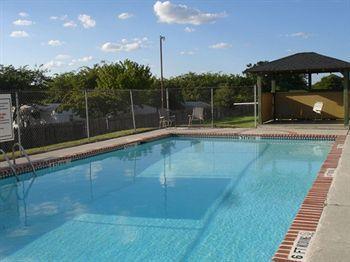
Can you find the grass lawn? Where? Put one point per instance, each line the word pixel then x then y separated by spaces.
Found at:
pixel 235 121
pixel 83 141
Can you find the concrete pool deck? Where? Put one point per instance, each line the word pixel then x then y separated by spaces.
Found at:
pixel 331 241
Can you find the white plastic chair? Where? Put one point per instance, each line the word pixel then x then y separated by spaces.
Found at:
pixel 197 114
pixel 318 108
pixel 165 119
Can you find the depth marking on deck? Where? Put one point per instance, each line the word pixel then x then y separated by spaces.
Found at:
pixel 133 144
pixel 340 146
pixel 330 172
pixel 60 162
pixel 300 245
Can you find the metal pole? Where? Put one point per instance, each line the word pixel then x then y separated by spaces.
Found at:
pixel 161 39
pixel 18 120
pixel 212 106
pixel 167 101
pixel 132 110
pixel 255 124
pixel 87 115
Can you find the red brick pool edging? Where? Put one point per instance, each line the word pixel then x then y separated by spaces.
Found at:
pixel 296 240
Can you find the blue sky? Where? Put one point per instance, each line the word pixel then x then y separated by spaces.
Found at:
pixel 201 36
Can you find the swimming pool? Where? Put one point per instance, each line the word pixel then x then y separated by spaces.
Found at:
pixel 174 199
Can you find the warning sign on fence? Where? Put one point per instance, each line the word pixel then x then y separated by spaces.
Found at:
pixel 6 129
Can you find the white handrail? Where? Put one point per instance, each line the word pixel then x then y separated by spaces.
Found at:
pixel 23 153
pixel 9 163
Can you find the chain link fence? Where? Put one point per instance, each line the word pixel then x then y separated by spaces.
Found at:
pixel 45 118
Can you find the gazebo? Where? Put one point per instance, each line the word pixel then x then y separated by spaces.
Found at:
pixel 308 63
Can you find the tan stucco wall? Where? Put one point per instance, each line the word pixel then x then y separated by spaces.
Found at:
pixel 299 105
pixel 266 109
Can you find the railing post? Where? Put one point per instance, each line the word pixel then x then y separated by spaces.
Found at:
pixel 18 120
pixel 255 123
pixel 212 106
pixel 132 110
pixel 87 115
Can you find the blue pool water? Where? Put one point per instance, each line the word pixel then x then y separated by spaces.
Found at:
pixel 175 199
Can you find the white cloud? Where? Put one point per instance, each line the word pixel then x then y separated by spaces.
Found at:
pixel 23 14
pixel 182 14
pixel 81 60
pixel 66 21
pixel 62 57
pixel 55 43
pixel 60 60
pixel 19 34
pixel 53 64
pixel 86 21
pixel 221 46
pixel 187 53
pixel 189 29
pixel 299 34
pixel 85 59
pixel 70 24
pixel 124 16
pixel 23 22
pixel 124 45
pixel 61 17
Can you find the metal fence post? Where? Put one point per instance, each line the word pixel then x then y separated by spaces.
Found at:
pixel 132 110
pixel 87 115
pixel 255 124
pixel 167 100
pixel 212 107
pixel 18 120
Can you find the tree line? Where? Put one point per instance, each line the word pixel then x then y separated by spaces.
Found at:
pixel 109 85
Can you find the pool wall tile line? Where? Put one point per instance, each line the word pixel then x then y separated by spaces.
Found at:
pixel 309 214
pixel 260 136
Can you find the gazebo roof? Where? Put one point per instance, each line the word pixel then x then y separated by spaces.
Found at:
pixel 308 62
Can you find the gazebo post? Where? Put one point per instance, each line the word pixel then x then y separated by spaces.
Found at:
pixel 273 91
pixel 309 80
pixel 346 97
pixel 259 86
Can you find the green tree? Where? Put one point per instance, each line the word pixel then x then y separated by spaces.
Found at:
pixel 194 87
pixel 23 78
pixel 108 88
pixel 124 75
pixel 68 90
pixel 284 82
pixel 330 82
